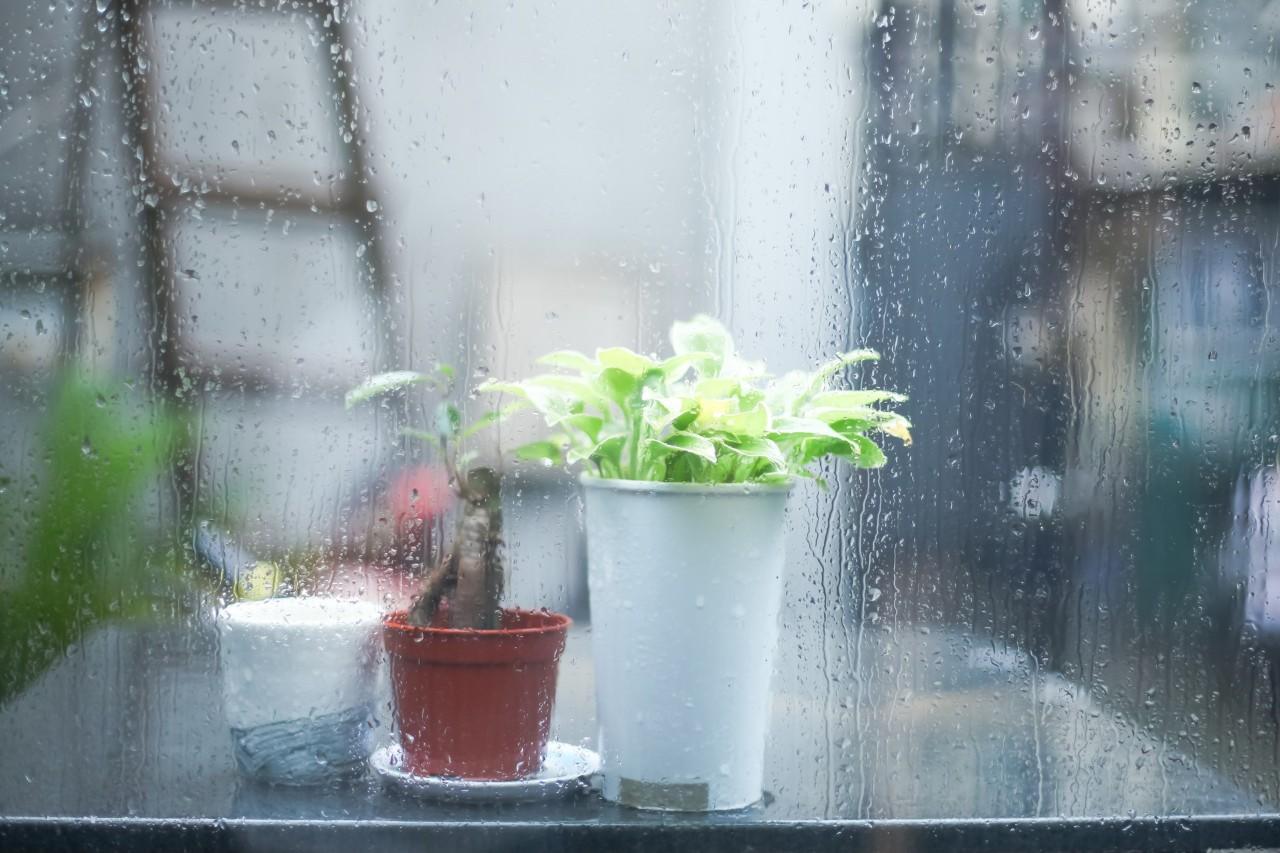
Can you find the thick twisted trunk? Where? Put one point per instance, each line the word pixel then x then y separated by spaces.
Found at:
pixel 471 575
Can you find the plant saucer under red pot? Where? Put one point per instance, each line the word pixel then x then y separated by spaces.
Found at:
pixel 475 704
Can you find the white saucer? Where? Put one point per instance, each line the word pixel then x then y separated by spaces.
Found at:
pixel 566 769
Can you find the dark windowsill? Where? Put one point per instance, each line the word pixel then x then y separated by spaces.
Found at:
pixel 596 830
pixel 137 756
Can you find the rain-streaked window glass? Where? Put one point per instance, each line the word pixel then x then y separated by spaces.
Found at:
pixel 542 412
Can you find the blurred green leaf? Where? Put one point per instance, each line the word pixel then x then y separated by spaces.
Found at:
pixel 703 335
pixel 490 418
pixel 430 438
pixel 623 359
pixel 448 419
pixel 573 389
pixel 384 383
pixel 101 449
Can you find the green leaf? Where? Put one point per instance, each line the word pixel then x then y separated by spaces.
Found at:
pixel 619 385
pixel 703 334
pixel 607 456
pixel 573 388
pixel 757 448
pixel 550 403
pixel 383 383
pixel 621 358
pixel 686 418
pixel 812 449
pixel 801 427
pixel 610 446
pixel 448 419
pixel 752 422
pixel 661 412
pixel 865 418
pixel 835 365
pixel 422 435
pixel 674 368
pixel 571 360
pixel 492 417
pixel 785 393
pixel 547 452
pixel 869 454
pixel 588 425
pixel 855 399
pixel 687 442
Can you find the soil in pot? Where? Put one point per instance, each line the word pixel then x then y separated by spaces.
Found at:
pixel 475 704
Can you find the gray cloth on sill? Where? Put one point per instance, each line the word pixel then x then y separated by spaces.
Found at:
pixel 307 751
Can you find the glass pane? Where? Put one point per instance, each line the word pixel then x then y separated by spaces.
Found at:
pixel 1056 223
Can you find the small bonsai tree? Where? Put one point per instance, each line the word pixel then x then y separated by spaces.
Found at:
pixel 470 574
pixel 703 415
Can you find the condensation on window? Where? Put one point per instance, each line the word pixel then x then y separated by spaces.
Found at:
pixel 1057 223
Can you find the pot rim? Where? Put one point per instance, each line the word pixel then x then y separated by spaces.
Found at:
pixel 654 487
pixel 393 621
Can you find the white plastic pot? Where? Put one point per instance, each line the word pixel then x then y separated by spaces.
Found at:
pixel 298 679
pixel 685 584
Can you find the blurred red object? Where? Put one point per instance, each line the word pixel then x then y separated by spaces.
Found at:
pixel 421 492
pixel 418 497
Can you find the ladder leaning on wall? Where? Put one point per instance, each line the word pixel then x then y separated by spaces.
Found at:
pixel 121 34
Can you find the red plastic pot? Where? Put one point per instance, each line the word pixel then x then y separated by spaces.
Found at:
pixel 475 704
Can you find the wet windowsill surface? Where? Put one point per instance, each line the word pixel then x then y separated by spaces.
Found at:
pixel 987 753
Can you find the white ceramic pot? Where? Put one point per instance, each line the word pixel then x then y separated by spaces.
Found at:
pixel 685 584
pixel 298 679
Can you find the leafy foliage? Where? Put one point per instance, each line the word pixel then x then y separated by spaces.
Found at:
pixel 100 454
pixel 704 415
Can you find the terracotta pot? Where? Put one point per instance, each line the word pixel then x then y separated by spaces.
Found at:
pixel 475 704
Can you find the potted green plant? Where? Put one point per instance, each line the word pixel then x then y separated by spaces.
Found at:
pixel 688 462
pixel 473 683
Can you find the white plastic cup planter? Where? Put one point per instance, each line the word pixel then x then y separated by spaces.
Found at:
pixel 298 679
pixel 686 584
